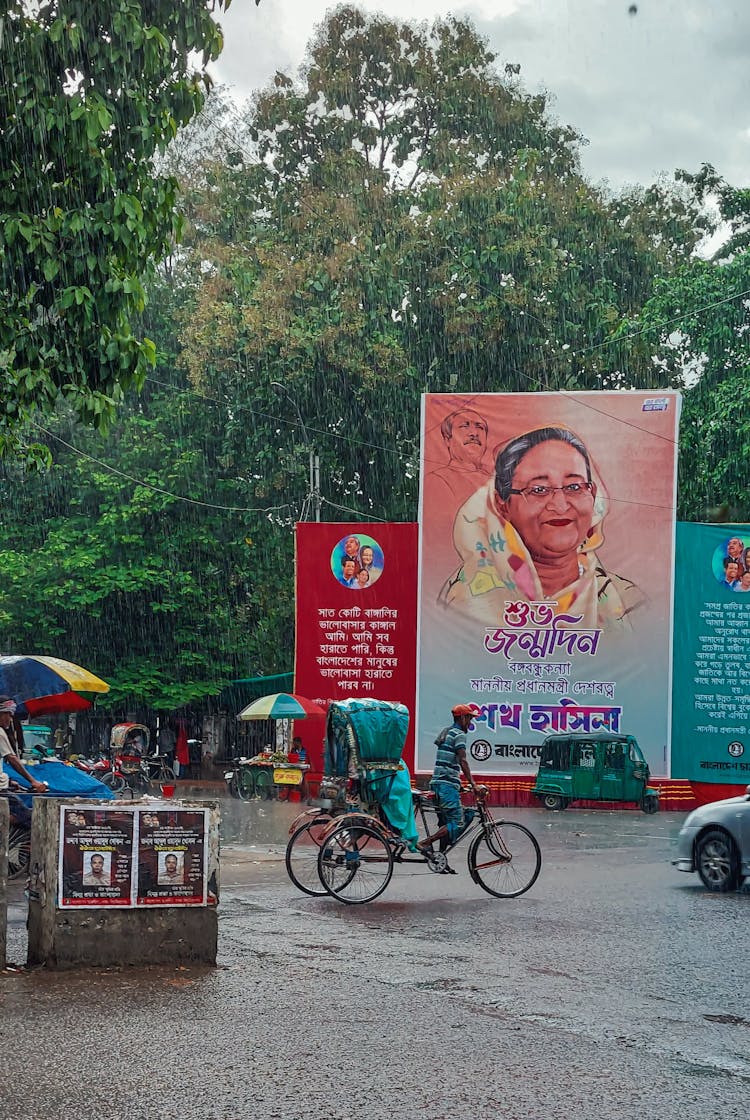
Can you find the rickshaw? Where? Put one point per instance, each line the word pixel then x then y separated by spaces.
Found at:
pixel 365 819
pixel 594 767
pixel 128 748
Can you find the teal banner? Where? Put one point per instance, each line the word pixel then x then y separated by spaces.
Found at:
pixel 711 682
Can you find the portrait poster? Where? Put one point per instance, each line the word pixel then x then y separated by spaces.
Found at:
pixel 356 608
pixel 172 857
pixel 711 696
pixel 546 570
pixel 95 857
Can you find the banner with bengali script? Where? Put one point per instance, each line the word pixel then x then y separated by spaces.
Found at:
pixel 711 697
pixel 356 612
pixel 547 560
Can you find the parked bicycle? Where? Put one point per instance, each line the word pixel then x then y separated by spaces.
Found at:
pixel 158 769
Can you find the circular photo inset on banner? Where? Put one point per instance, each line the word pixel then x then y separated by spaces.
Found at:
pixel 731 564
pixel 357 561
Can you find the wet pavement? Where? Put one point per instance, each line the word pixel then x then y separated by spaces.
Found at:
pixel 617 987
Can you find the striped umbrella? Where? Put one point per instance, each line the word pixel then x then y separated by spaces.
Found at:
pixel 27 677
pixel 281 705
pixel 52 705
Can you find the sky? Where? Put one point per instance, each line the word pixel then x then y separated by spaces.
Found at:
pixel 651 91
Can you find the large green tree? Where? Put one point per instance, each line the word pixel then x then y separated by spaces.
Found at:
pixel 90 93
pixel 401 217
pixel 409 218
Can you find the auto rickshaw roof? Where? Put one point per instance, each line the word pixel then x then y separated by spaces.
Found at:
pixel 588 737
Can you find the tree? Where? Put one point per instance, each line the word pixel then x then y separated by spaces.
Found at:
pixel 409 219
pixel 167 599
pixel 354 268
pixel 89 94
pixel 697 326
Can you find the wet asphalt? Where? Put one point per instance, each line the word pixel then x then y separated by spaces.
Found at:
pixel 616 988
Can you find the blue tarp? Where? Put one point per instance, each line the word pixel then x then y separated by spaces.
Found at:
pixel 63 780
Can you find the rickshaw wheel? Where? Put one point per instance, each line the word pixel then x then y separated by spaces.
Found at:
pixel 302 856
pixel 139 783
pixel 553 801
pixel 649 803
pixel 356 863
pixel 505 859
pixel 19 851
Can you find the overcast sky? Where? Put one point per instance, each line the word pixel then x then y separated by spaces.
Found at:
pixel 665 87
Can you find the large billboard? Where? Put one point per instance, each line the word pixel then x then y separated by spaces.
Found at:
pixel 711 705
pixel 356 600
pixel 546 570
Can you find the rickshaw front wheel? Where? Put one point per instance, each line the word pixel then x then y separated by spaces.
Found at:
pixel 355 863
pixel 554 801
pixel 505 859
pixel 302 856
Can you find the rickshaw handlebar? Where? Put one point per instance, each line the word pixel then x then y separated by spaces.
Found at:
pixel 481 791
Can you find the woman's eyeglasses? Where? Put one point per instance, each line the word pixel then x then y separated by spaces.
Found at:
pixel 540 493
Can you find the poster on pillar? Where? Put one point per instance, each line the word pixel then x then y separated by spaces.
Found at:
pixel 172 857
pixel 711 709
pixel 547 558
pixel 95 856
pixel 356 603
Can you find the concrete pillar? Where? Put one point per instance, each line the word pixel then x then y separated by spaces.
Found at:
pixel 83 936
pixel 4 827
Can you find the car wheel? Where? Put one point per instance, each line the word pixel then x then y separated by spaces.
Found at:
pixel 717 861
pixel 553 801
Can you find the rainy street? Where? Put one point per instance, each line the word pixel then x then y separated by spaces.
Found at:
pixel 616 987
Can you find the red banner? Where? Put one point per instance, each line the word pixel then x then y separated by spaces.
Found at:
pixel 356 601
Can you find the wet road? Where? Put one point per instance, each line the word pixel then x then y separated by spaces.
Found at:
pixel 616 988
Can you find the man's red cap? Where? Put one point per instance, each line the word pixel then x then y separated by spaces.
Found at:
pixel 462 710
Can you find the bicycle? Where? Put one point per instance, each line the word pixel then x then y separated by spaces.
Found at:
pixel 356 853
pixel 158 768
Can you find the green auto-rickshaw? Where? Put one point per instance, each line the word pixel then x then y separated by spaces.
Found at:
pixel 601 767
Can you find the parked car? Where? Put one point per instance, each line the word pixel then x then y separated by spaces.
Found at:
pixel 715 842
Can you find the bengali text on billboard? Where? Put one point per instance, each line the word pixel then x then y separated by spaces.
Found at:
pixel 356 617
pixel 711 697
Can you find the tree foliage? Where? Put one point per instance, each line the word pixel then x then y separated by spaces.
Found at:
pixel 166 599
pixel 400 217
pixel 698 324
pixel 89 93
pixel 410 219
